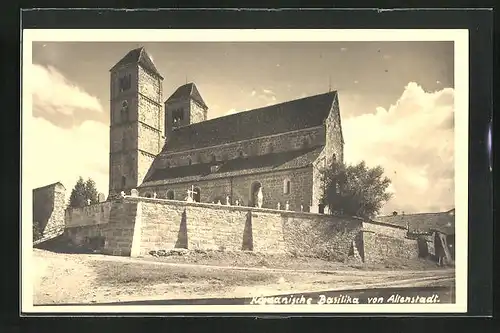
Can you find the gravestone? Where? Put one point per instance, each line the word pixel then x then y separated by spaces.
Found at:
pixel 287 206
pixel 260 198
pixel 237 202
pixel 101 197
pixel 88 202
pixel 227 201
pixel 122 194
pixel 134 193
pixel 278 206
pixel 154 195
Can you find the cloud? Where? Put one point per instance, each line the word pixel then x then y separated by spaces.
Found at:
pixel 414 141
pixel 253 93
pixel 57 154
pixel 54 94
pixel 231 111
pixel 343 49
pixel 267 92
pixel 387 56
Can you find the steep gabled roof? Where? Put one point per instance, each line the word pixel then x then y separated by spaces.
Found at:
pixel 141 57
pixel 235 167
pixel 186 91
pixel 424 222
pixel 275 119
pixel 56 184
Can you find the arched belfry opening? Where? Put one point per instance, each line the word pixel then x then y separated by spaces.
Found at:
pixel 254 190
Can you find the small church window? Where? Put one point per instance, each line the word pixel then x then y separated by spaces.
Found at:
pixel 124 181
pixel 240 153
pixel 125 83
pixel 334 158
pixel 124 111
pixel 286 186
pixel 170 195
pixel 213 158
pixel 190 161
pixel 177 116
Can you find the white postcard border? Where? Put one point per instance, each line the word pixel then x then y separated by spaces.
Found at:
pixel 461 64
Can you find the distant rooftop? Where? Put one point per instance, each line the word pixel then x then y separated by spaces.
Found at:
pixel 426 222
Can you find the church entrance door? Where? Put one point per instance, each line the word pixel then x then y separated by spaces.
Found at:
pixel 254 189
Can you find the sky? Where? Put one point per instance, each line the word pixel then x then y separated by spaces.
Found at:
pixel 396 103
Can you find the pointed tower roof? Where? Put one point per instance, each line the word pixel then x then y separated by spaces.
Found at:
pixel 188 90
pixel 141 57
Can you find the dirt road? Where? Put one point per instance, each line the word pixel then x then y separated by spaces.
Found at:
pixel 79 278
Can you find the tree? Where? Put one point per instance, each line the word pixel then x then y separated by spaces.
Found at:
pixel 91 191
pixel 82 192
pixel 355 190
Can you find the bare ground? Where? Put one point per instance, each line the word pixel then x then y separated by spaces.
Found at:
pixel 91 278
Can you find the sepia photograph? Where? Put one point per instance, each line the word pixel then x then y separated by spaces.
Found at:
pixel 244 171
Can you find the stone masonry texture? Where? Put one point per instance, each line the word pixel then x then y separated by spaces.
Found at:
pixel 379 247
pixel 158 224
pixel 48 209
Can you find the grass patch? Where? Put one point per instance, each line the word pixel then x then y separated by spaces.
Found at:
pixel 120 273
pixel 289 261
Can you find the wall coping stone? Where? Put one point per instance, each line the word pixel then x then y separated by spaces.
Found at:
pixel 385 224
pixel 285 213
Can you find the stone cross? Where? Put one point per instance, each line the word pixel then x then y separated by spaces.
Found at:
pixel 287 206
pixel 188 197
pixel 278 206
pixel 227 201
pixel 134 192
pixel 154 195
pixel 190 194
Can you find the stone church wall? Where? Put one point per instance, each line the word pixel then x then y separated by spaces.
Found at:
pixel 260 146
pixel 239 188
pixel 48 209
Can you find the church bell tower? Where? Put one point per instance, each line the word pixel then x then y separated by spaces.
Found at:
pixel 136 120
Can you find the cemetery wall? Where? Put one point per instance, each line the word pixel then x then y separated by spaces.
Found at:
pixel 111 221
pixel 136 225
pixel 380 247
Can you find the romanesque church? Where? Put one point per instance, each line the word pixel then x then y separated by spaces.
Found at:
pixel 165 148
